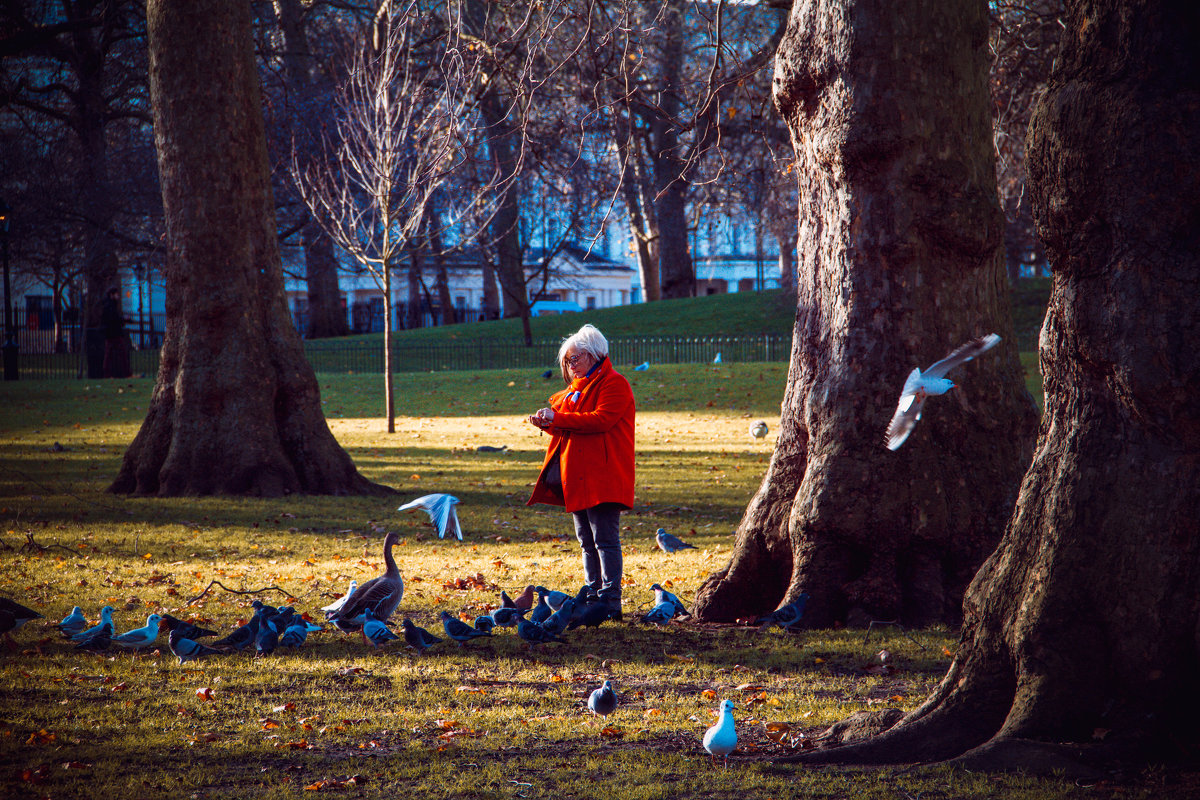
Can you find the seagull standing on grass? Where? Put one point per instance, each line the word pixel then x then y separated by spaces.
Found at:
pixel 442 513
pixel 721 739
pixel 603 701
pixel 106 615
pixel 336 605
pixel 139 638
pixel 921 385
pixel 73 623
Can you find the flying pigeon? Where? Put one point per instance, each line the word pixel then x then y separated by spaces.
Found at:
pixel 106 614
pixel 661 614
pixel 661 595
pixel 336 605
pixel 73 623
pixel 786 616
pixel 186 629
pixel 13 615
pixel 186 649
pixel 503 617
pixel 374 631
pixel 441 512
pixel 458 630
pixel 669 543
pixel 417 637
pixel 642 367
pixel 138 638
pixel 920 385
pixel 758 428
pixel 603 701
pixel 535 634
pixel 721 739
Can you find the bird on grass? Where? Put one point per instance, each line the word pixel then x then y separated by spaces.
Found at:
pixel 592 616
pixel 382 594
pixel 542 611
pixel 458 630
pixel 336 605
pixel 374 631
pixel 267 638
pixel 186 649
pixel 661 595
pixel 645 365
pixel 554 598
pixel 97 638
pixel 442 513
pixel 721 739
pixel 557 622
pixel 661 614
pixel 417 637
pixel 296 633
pixel 243 636
pixel 106 616
pixel 505 617
pixel 72 623
pixel 13 615
pixel 484 623
pixel 187 629
pixel 717 360
pixel 534 634
pixel 140 638
pixel 921 385
pixel 758 428
pixel 786 616
pixel 669 543
pixel 603 701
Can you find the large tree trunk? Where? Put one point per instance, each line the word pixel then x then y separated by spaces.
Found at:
pixel 1085 622
pixel 676 272
pixel 901 262
pixel 236 407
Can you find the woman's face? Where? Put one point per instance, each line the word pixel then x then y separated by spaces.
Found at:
pixel 578 363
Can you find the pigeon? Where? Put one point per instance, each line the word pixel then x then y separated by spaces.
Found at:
pixel 73 623
pixel 535 634
pixel 487 448
pixel 267 637
pixel 186 629
pixel 661 614
pixel 458 630
pixel 139 638
pixel 242 637
pixel 484 623
pixel 786 616
pixel 669 543
pixel 382 594
pixel 106 614
pixel 524 600
pixel 442 513
pixel 13 615
pixel 417 637
pixel 295 634
pixel 642 367
pixel 603 701
pixel 96 639
pixel 542 611
pixel 661 595
pixel 374 631
pixel 721 739
pixel 920 385
pixel 554 598
pixel 717 360
pixel 547 374
pixel 592 616
pixel 558 621
pixel 186 649
pixel 336 605
pixel 504 617
pixel 758 428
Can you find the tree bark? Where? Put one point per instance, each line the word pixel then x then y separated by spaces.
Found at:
pixel 1085 622
pixel 901 262
pixel 236 406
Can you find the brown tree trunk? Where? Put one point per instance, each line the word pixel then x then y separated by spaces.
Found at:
pixel 901 262
pixel 1085 623
pixel 326 314
pixel 236 407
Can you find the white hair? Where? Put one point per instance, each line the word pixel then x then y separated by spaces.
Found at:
pixel 587 339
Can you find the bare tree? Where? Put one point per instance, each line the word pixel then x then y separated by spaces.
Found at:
pixel 398 133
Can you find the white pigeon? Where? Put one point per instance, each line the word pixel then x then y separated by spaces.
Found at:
pixel 758 428
pixel 721 739
pixel 933 381
pixel 138 638
pixel 336 605
pixel 442 513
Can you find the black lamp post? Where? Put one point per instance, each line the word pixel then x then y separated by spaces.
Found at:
pixel 10 335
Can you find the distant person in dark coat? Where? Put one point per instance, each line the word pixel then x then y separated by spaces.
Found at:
pixel 116 338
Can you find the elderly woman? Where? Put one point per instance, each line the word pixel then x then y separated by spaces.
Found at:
pixel 589 462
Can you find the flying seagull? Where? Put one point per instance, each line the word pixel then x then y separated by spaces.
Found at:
pixel 920 385
pixel 441 512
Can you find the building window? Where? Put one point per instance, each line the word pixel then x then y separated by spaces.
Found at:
pixel 591 302
pixel 460 301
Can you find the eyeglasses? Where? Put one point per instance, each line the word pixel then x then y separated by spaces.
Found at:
pixel 571 361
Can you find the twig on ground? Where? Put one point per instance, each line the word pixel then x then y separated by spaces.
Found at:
pixel 33 544
pixel 284 592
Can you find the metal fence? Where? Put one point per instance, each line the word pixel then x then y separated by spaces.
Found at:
pixel 331 356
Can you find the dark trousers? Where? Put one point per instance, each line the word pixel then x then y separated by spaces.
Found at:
pixel 599 532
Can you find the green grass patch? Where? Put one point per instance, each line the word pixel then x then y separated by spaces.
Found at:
pixel 486 720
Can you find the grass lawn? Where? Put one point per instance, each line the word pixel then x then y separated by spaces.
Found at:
pixel 486 720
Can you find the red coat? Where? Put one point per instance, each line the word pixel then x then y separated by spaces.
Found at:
pixel 592 433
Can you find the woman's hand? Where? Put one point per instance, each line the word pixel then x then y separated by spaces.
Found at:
pixel 542 418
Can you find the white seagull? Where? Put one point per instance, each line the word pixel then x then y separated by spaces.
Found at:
pixel 721 739
pixel 441 511
pixel 920 385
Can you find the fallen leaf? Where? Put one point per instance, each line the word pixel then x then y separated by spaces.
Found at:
pixel 709 694
pixel 204 693
pixel 284 707
pixel 470 690
pixel 269 724
pixel 447 724
pixel 612 733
